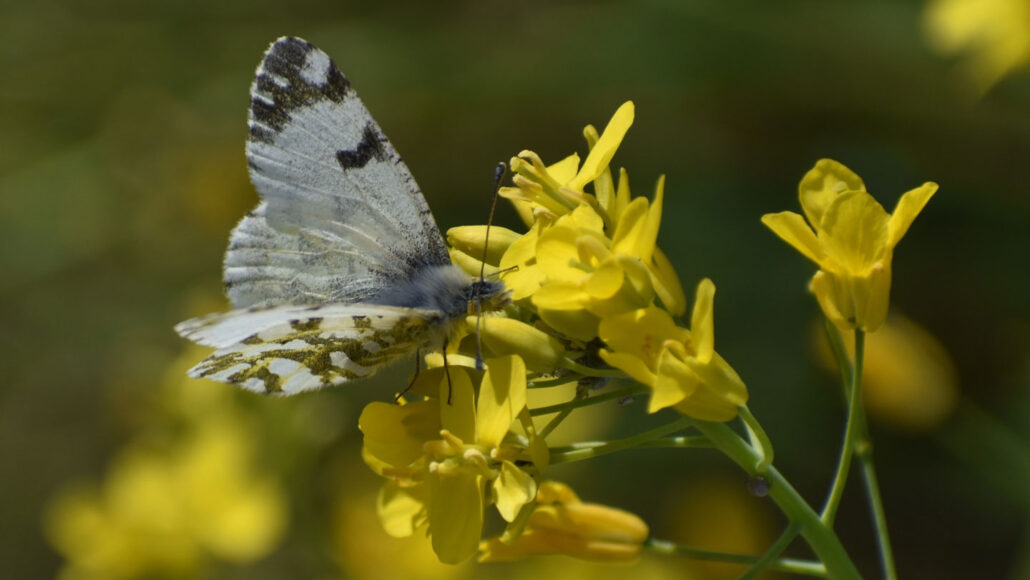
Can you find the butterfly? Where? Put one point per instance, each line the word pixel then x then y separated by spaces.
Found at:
pixel 341 268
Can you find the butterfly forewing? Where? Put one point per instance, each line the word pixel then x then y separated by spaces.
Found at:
pixel 290 349
pixel 341 217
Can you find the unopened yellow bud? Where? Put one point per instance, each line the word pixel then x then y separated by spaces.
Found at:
pixel 471 240
pixel 504 336
pixel 568 526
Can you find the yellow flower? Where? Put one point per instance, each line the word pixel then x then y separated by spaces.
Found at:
pixel 680 366
pixel 995 34
pixel 852 242
pixel 583 279
pixel 574 233
pixel 166 513
pixel 558 189
pixel 562 524
pixel 447 460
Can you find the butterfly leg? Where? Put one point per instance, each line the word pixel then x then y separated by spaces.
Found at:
pixel 418 370
pixel 447 371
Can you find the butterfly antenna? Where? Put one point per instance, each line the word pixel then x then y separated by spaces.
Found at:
pixel 499 172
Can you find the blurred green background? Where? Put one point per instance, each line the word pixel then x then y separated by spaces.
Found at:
pixel 121 173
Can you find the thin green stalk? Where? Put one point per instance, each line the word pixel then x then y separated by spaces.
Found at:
pixel 864 452
pixel 591 371
pixel 577 403
pixel 773 552
pixel 757 435
pixel 554 422
pixel 793 565
pixel 674 442
pixel 819 536
pixel 850 432
pixel 589 451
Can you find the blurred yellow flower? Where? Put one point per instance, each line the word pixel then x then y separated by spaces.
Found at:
pixel 908 379
pixel 680 366
pixel 851 238
pixel 447 460
pixel 993 34
pixel 562 524
pixel 713 511
pixel 166 513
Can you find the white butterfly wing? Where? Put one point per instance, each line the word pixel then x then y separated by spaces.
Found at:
pixel 290 349
pixel 341 217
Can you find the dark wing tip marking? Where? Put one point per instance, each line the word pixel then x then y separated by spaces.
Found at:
pixel 293 74
pixel 370 147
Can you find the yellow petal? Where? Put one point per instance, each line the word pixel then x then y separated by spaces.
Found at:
pixel 401 510
pixel 456 516
pixel 457 404
pixel 502 396
pixel 564 170
pixel 629 364
pixel 906 211
pixel 631 233
pixel 395 434
pixel 602 153
pixel 854 232
pixel 558 255
pixel 667 284
pixel 791 228
pixel 623 195
pixel 822 184
pixel 641 333
pixel 577 324
pixel 702 321
pixel 513 489
pixel 673 383
pixel 835 304
pixel 720 393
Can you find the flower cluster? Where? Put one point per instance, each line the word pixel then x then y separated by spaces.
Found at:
pixel 593 298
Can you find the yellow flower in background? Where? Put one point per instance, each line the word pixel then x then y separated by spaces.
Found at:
pixel 447 460
pixel 993 35
pixel 562 524
pixel 908 378
pixel 680 365
pixel 167 513
pixel 851 238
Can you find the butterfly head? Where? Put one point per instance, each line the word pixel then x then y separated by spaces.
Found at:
pixel 487 296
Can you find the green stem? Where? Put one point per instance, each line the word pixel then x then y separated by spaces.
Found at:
pixel 805 567
pixel 577 403
pixel 554 422
pixel 854 389
pixel 591 371
pixel 773 552
pixel 864 453
pixel 757 435
pixel 555 382
pixel 819 536
pixel 583 451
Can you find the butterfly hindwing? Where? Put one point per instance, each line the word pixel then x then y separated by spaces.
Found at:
pixel 290 349
pixel 341 217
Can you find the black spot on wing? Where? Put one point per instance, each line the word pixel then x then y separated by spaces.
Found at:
pixel 280 88
pixel 370 147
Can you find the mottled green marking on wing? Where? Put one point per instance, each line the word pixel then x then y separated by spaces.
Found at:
pixel 314 344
